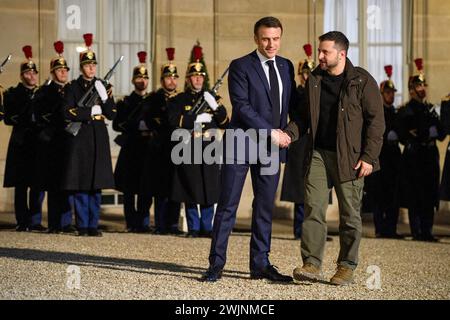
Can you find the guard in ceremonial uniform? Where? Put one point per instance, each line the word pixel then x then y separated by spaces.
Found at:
pixel 167 213
pixel 88 166
pixel 21 156
pixel 293 188
pixel 197 184
pixel 382 187
pixel 138 139
pixel 50 150
pixel 419 128
pixel 445 119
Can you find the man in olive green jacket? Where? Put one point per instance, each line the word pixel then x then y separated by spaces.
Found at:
pixel 344 123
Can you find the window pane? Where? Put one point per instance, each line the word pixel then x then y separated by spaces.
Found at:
pixel 353 55
pixel 342 15
pixel 380 56
pixel 122 78
pixel 76 17
pixel 384 21
pixel 126 38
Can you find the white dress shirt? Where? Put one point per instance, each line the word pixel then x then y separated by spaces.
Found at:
pixel 265 67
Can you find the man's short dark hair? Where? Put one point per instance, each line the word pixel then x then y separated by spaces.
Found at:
pixel 340 40
pixel 268 22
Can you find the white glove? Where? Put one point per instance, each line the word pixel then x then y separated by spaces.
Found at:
pixel 392 136
pixel 203 118
pixel 101 90
pixel 96 110
pixel 142 126
pixel 433 132
pixel 211 100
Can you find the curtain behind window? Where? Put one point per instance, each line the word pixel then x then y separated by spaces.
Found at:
pixel 127 36
pixel 383 30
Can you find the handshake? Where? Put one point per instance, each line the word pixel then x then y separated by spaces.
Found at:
pixel 280 138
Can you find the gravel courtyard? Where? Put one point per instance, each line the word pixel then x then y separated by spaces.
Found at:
pixel 144 266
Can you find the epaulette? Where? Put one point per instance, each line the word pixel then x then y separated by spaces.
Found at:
pixel 446 98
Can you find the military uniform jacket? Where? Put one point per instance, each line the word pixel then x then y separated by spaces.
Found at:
pixel 50 122
pixel 382 187
pixel 88 156
pixel 195 183
pixel 21 156
pixel 420 160
pixel 293 187
pixel 445 119
pixel 143 159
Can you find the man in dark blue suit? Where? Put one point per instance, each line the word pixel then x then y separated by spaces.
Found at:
pixel 260 86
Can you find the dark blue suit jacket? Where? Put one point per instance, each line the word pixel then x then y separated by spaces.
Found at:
pixel 250 94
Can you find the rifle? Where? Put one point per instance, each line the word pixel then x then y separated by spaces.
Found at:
pixel 91 96
pixel 201 104
pixel 89 99
pixel 5 62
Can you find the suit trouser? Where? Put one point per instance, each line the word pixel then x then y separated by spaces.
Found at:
pixel 386 219
pixel 421 220
pixel 264 189
pixel 299 217
pixel 59 205
pixel 28 206
pixel 321 177
pixel 87 209
pixel 138 215
pixel 173 215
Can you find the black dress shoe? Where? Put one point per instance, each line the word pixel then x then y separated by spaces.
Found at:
pixel 212 275
pixel 143 230
pixel 206 234
pixel 395 236
pixel 176 232
pixel 271 273
pixel 83 232
pixel 192 234
pixel 54 231
pixel 159 232
pixel 21 228
pixel 69 229
pixel 94 233
pixel 429 238
pixel 38 227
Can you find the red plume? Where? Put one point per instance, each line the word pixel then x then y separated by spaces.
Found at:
pixel 170 54
pixel 142 55
pixel 388 70
pixel 59 47
pixel 88 39
pixel 419 64
pixel 308 50
pixel 198 53
pixel 28 51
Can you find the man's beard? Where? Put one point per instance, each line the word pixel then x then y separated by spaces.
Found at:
pixel 421 94
pixel 329 65
pixel 141 87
